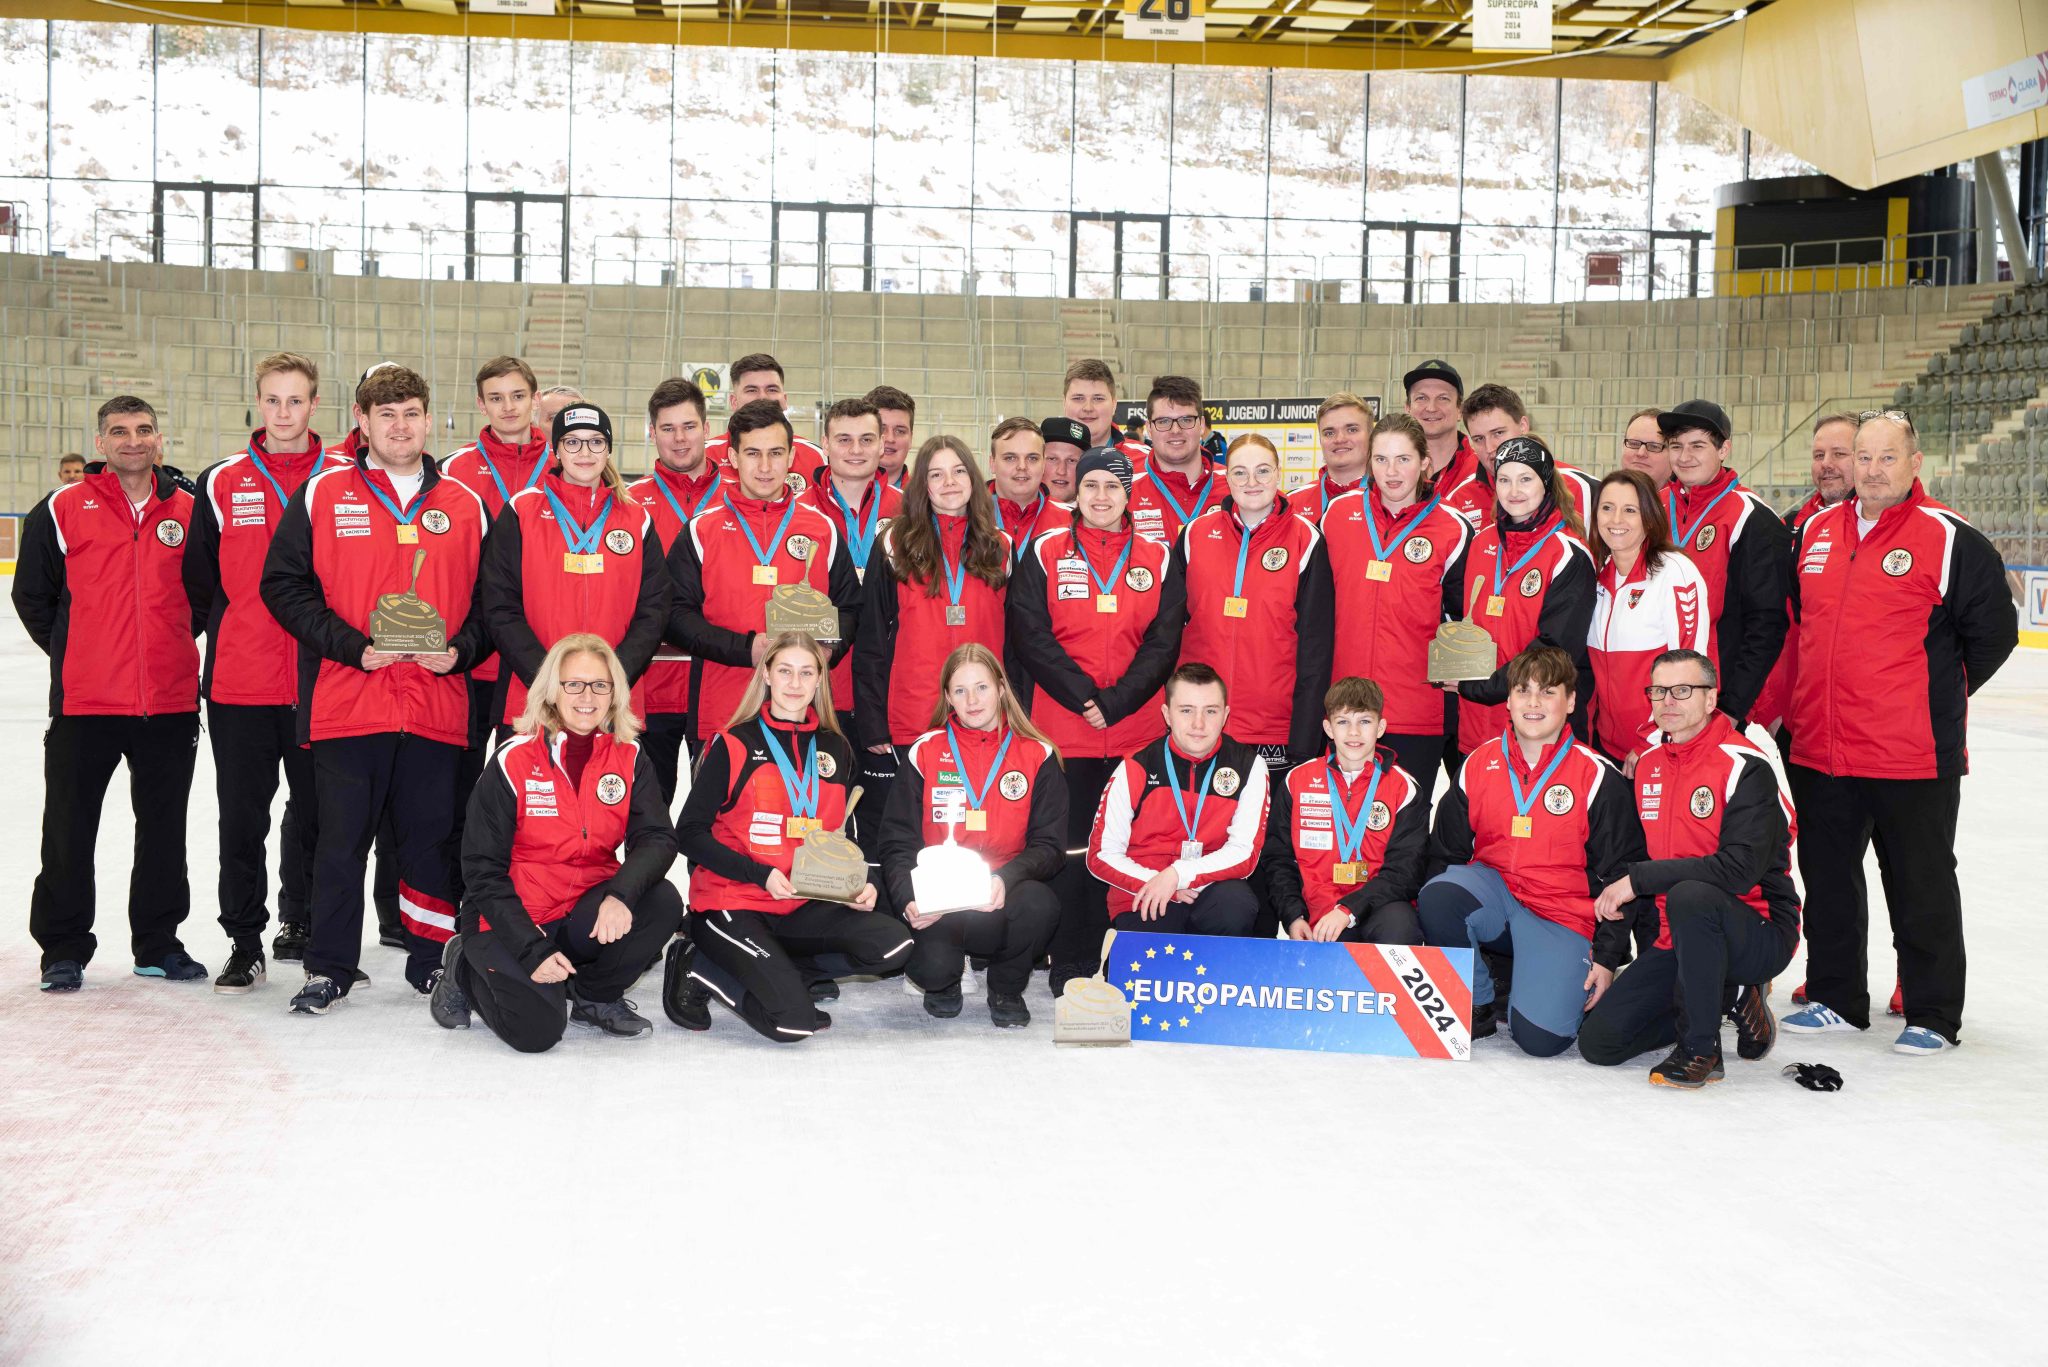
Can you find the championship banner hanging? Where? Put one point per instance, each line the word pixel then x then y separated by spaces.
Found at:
pixel 1405 1001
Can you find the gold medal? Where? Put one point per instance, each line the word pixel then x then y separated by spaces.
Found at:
pixel 572 563
pixel 1233 607
pixel 1495 605
pixel 1344 873
pixel 1522 827
pixel 797 827
pixel 408 535
pixel 765 574
pixel 977 821
pixel 1105 602
pixel 1380 570
pixel 956 616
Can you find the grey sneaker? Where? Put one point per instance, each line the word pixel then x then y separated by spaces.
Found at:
pixel 617 1019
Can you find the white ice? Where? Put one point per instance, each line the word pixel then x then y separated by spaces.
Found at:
pixel 186 1177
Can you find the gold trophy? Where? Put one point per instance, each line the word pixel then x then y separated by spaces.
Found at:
pixel 829 867
pixel 1461 652
pixel 401 624
pixel 799 607
pixel 1093 1010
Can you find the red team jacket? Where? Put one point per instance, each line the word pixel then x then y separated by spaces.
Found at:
pixel 1385 625
pixel 1024 809
pixel 1138 829
pixel 1315 500
pixel 1896 630
pixel 494 470
pixel 1549 597
pixel 672 500
pixel 532 599
pixel 905 639
pixel 336 553
pixel 819 496
pixel 1024 524
pixel 251 661
pixel 1073 650
pixel 734 825
pixel 1772 703
pixel 1634 621
pixel 805 460
pixel 1163 501
pixel 99 587
pixel 1269 637
pixel 1741 548
pixel 1463 486
pixel 1301 844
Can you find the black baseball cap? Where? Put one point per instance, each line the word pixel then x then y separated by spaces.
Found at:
pixel 1065 430
pixel 1700 413
pixel 1434 370
pixel 581 417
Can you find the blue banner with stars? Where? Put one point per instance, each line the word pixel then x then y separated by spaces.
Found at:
pixel 1408 1001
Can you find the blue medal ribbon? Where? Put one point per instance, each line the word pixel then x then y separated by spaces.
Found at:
pixel 860 542
pixel 483 453
pixel 1671 506
pixel 1024 541
pixel 1380 551
pixel 256 459
pixel 411 510
pixel 1201 794
pixel 1244 547
pixel 1104 587
pixel 1522 804
pixel 956 575
pixel 1350 831
pixel 676 504
pixel 580 541
pixel 977 800
pixel 802 789
pixel 1527 556
pixel 766 557
pixel 1201 495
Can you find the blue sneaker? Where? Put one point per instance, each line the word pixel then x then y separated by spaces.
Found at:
pixel 1814 1020
pixel 1917 1041
pixel 176 966
pixel 65 975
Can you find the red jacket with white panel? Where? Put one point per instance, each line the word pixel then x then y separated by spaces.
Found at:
pixel 1023 829
pixel 1545 593
pixel 1635 620
pixel 1302 854
pixel 672 500
pixel 1138 828
pixel 1163 501
pixel 1387 618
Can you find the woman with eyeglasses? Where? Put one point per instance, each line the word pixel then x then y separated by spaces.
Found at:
pixel 1259 609
pixel 1648 599
pixel 779 771
pixel 574 553
pixel 554 925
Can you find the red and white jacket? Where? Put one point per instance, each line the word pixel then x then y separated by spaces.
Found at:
pixel 1386 624
pixel 805 460
pixel 672 500
pixel 1269 637
pixel 98 584
pixel 251 661
pixel 1742 550
pixel 1315 500
pixel 1636 619
pixel 1774 701
pixel 734 825
pixel 1076 648
pixel 1023 524
pixel 532 597
pixel 494 470
pixel 1302 852
pixel 1897 629
pixel 1138 830
pixel 335 556
pixel 882 502
pixel 1163 501
pixel 1023 832
pixel 905 638
pixel 1545 594
pixel 1464 487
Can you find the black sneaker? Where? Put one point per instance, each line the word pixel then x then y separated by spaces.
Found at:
pixel 1006 1012
pixel 448 1004
pixel 357 978
pixel 1690 1071
pixel 1756 1029
pixel 1485 1021
pixel 684 1000
pixel 1059 975
pixel 617 1019
pixel 243 973
pixel 176 967
pixel 823 989
pixel 317 996
pixel 65 975
pixel 391 930
pixel 290 945
pixel 944 1004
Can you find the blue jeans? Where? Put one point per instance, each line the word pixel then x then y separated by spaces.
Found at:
pixel 1469 905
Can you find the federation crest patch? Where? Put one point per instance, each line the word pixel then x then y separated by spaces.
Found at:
pixel 611 790
pixel 1226 782
pixel 1705 540
pixel 1378 817
pixel 1635 596
pixel 827 766
pixel 1275 559
pixel 435 521
pixel 1014 785
pixel 618 541
pixel 170 533
pixel 794 482
pixel 1139 578
pixel 1703 801
pixel 1557 799
pixel 800 546
pixel 1532 583
pixel 1898 562
pixel 1418 549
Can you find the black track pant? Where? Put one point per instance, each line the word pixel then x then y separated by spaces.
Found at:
pixel 250 746
pixel 667 739
pixel 877 776
pixel 756 949
pixel 1226 908
pixel 1084 908
pixel 1012 940
pixel 1390 923
pixel 1718 944
pixel 79 758
pixel 1913 822
pixel 357 778
pixel 1419 755
pixel 530 1016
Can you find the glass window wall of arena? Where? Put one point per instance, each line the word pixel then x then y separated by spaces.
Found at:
pixel 606 163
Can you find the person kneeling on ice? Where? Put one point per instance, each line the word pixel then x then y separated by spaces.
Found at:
pixel 549 911
pixel 780 770
pixel 1719 830
pixel 1179 826
pixel 987 782
pixel 1534 826
pixel 1349 832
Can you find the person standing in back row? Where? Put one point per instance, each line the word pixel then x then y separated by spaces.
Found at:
pixel 1178 483
pixel 98 586
pixel 1435 390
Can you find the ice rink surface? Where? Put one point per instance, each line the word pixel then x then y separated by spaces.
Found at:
pixel 186 1177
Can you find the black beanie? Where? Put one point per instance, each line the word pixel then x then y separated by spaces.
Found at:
pixel 1104 458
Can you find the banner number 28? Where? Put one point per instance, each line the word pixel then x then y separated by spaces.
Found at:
pixel 1175 10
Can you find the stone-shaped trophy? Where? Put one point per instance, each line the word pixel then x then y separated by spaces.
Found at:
pixel 828 867
pixel 951 877
pixel 1461 652
pixel 1092 1010
pixel 799 607
pixel 401 624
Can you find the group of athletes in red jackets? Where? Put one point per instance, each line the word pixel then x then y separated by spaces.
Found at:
pixel 1153 687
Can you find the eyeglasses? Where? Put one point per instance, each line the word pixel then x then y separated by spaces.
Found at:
pixel 1897 415
pixel 1187 423
pixel 1641 447
pixel 571 446
pixel 1657 692
pixel 600 687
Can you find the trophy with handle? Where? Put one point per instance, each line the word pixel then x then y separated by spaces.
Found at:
pixel 403 624
pixel 828 867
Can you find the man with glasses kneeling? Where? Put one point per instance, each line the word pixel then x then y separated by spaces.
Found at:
pixel 1719 833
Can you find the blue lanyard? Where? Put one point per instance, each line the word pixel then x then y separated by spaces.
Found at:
pixel 506 494
pixel 801 788
pixel 1201 794
pixel 268 478
pixel 1244 547
pixel 1379 550
pixel 976 800
pixel 1671 502
pixel 1350 832
pixel 766 557
pixel 857 541
pixel 956 575
pixel 1501 554
pixel 580 541
pixel 1024 541
pixel 677 504
pixel 1104 586
pixel 1522 804
pixel 1201 495
pixel 412 509
pixel 1323 489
